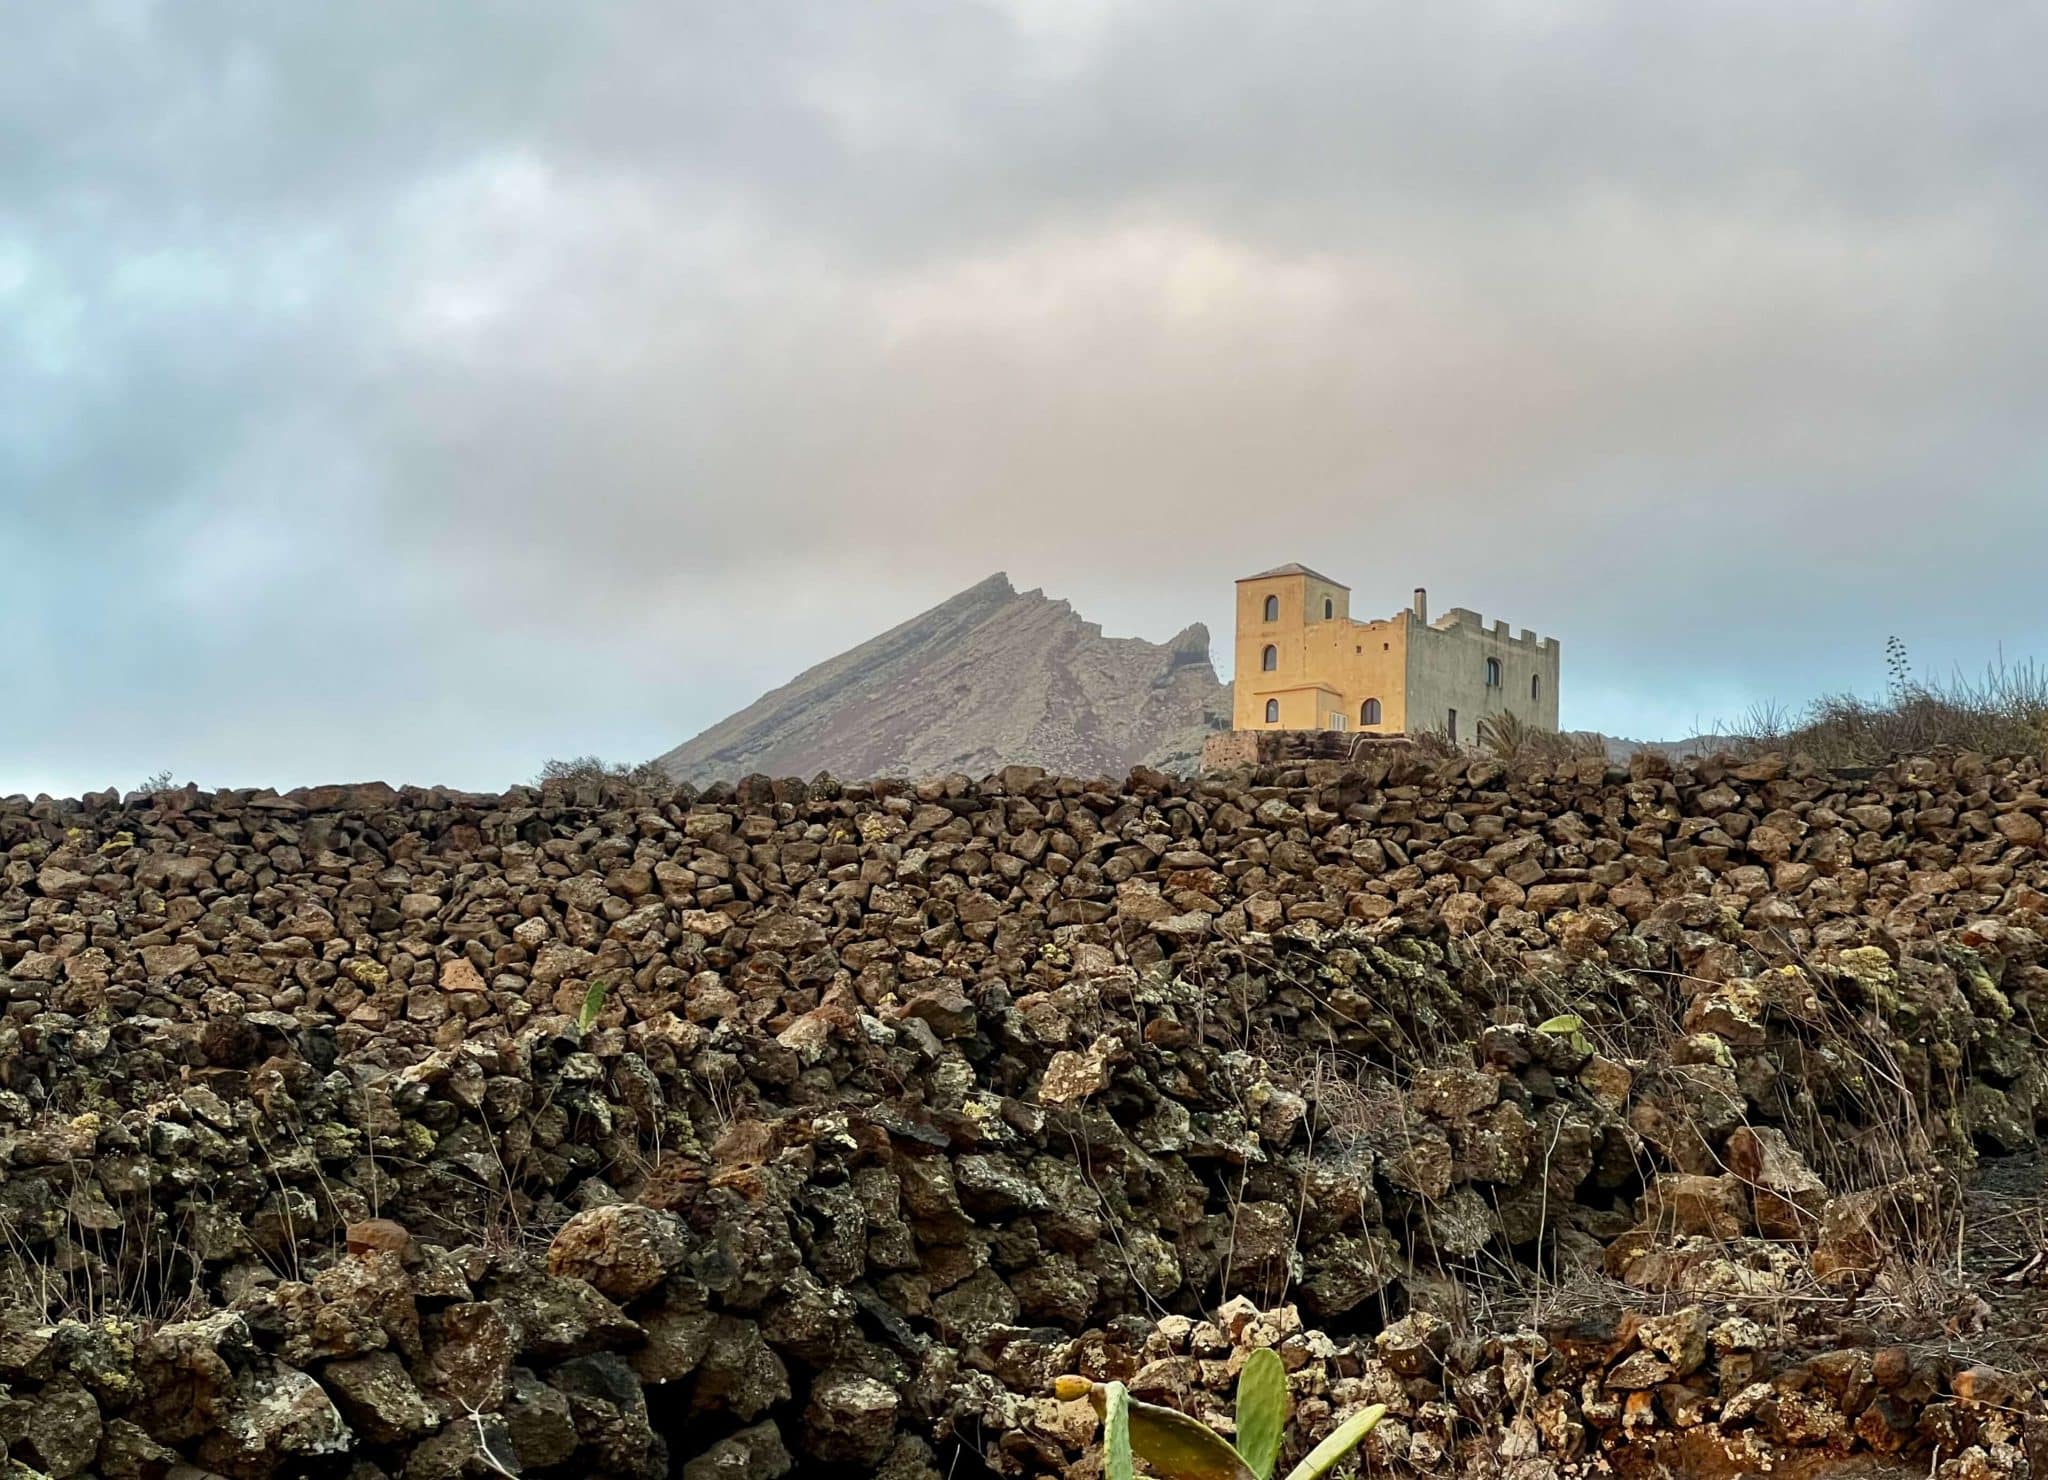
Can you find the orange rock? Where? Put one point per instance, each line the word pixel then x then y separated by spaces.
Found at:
pixel 378 1235
pixel 458 975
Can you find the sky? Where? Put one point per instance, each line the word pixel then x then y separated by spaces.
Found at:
pixel 422 391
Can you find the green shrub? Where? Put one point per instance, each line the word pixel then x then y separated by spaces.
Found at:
pixel 1178 1447
pixel 593 1004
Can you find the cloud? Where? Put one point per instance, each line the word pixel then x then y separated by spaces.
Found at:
pixel 420 392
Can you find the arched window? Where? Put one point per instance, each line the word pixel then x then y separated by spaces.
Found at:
pixel 1535 686
pixel 1329 608
pixel 1272 608
pixel 1493 673
pixel 1369 712
pixel 1272 711
pixel 1270 659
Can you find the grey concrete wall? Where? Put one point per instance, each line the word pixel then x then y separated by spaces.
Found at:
pixel 1447 671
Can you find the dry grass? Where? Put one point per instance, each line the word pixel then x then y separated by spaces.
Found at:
pixel 144 1270
pixel 1873 1125
pixel 2004 711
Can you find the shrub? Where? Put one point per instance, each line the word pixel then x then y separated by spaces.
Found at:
pixel 2002 712
pixel 1510 739
pixel 594 768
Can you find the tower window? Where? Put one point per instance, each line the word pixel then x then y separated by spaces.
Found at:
pixel 1272 608
pixel 1451 727
pixel 1270 659
pixel 1535 686
pixel 1493 673
pixel 1272 711
pixel 1369 712
pixel 1329 608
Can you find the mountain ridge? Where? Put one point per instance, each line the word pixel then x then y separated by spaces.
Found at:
pixel 988 677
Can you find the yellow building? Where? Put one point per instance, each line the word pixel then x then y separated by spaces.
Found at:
pixel 1304 664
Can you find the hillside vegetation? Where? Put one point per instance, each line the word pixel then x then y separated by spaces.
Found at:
pixel 2003 711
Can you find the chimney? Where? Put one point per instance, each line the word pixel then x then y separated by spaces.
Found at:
pixel 1421 604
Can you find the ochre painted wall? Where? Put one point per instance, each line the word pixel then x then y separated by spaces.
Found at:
pixel 1325 665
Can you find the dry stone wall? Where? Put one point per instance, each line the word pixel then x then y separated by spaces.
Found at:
pixel 1591 1119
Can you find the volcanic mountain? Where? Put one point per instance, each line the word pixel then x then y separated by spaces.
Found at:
pixel 991 677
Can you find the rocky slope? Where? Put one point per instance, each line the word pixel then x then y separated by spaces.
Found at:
pixel 986 678
pixel 1595 1120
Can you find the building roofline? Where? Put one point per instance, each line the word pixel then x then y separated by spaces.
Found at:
pixel 1293 569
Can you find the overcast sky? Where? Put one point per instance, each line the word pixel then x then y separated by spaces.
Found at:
pixel 419 391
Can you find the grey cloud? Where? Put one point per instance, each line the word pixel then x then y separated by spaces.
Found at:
pixel 423 390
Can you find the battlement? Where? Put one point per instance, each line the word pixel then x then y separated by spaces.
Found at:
pixel 1464 619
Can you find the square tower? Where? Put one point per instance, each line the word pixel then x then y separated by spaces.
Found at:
pixel 1278 611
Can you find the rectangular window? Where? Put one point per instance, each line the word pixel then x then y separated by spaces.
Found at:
pixel 1336 720
pixel 1452 727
